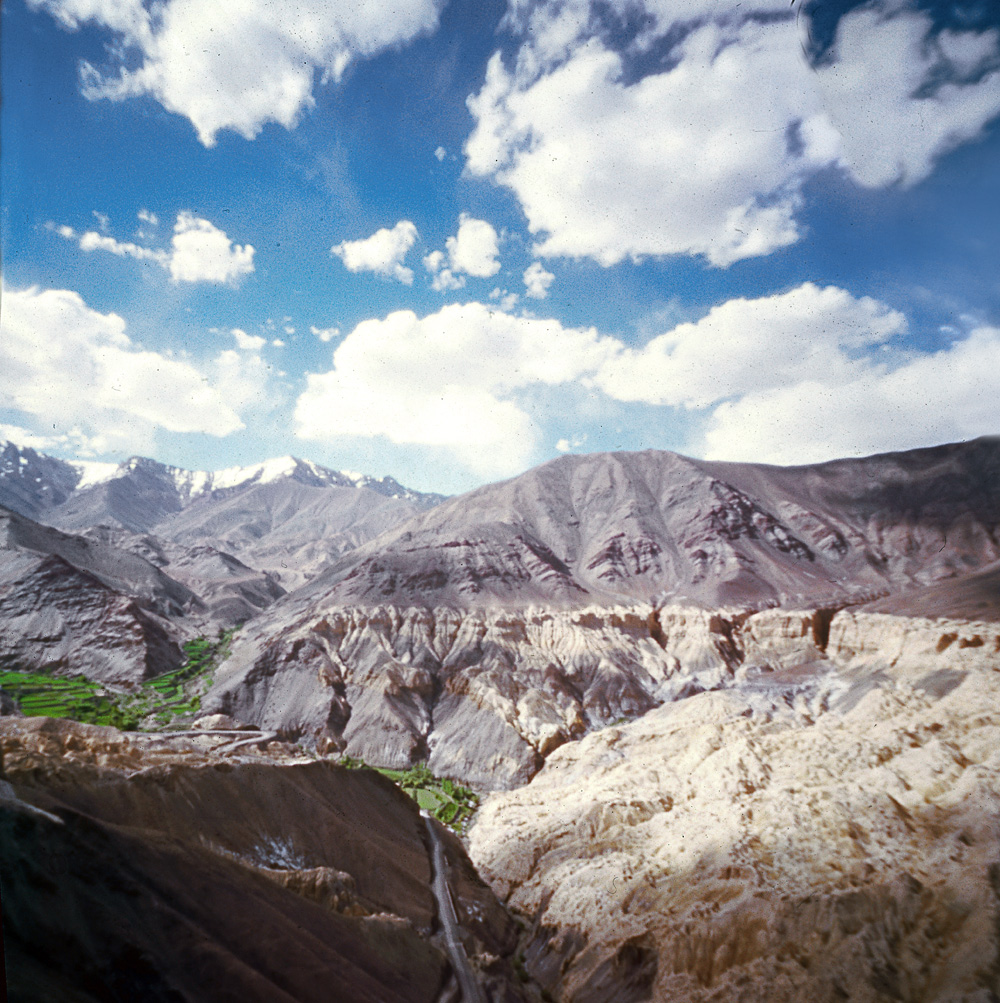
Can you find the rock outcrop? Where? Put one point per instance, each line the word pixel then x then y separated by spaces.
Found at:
pixel 485 696
pixel 803 835
pixel 135 868
pixel 481 696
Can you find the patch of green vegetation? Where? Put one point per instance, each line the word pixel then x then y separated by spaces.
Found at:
pixel 447 801
pixel 156 703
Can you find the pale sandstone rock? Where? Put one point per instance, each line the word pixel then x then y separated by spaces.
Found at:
pixel 912 642
pixel 219 722
pixel 486 695
pixel 756 845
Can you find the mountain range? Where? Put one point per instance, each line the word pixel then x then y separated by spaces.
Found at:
pixel 680 683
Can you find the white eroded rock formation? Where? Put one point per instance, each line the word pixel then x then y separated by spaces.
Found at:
pixel 825 831
pixel 484 696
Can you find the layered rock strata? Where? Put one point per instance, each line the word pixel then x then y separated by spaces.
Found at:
pixel 485 696
pixel 803 835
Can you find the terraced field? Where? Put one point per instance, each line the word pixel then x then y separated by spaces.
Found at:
pixel 156 704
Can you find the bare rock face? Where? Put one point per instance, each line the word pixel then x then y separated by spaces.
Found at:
pixel 227 590
pixel 661 528
pixel 819 836
pixel 55 617
pixel 481 696
pixel 485 696
pixel 133 870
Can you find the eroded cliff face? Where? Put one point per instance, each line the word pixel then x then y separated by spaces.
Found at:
pixel 481 695
pixel 804 835
pixel 139 868
pixel 486 695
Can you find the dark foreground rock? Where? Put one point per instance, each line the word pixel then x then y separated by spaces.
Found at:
pixel 134 869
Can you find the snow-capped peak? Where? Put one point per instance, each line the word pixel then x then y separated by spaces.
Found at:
pixel 92 472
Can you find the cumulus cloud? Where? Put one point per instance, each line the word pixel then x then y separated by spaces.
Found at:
pixel 383 252
pixel 248 342
pixel 236 64
pixel 76 370
pixel 474 249
pixel 798 376
pixel 450 380
pixel 74 441
pixel 565 445
pixel 902 97
pixel 199 250
pixel 537 281
pixel 443 279
pixel 809 375
pixel 943 396
pixel 708 156
pixel 748 345
pixel 324 333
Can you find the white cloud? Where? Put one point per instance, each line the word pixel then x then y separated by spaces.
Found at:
pixel 93 241
pixel 383 252
pixel 102 220
pixel 148 217
pixel 798 376
pixel 448 380
pixel 679 162
pixel 444 279
pixel 248 342
pixel 809 375
pixel 708 157
pixel 746 346
pixel 943 396
pixel 278 343
pixel 894 126
pixel 565 445
pixel 506 300
pixel 324 333
pixel 237 64
pixel 474 249
pixel 440 153
pixel 74 441
pixel 199 251
pixel 537 281
pixel 75 368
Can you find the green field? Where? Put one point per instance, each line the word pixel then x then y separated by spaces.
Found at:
pixel 155 704
pixel 447 801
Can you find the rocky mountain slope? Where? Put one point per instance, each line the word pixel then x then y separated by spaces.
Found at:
pixel 658 527
pixel 487 695
pixel 285 516
pixel 134 868
pixel 807 834
pixel 492 628
pixel 113 605
pixel 73 605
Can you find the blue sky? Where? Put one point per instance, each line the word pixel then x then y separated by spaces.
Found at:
pixel 458 239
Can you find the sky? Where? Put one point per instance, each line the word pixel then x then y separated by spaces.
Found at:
pixel 448 241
